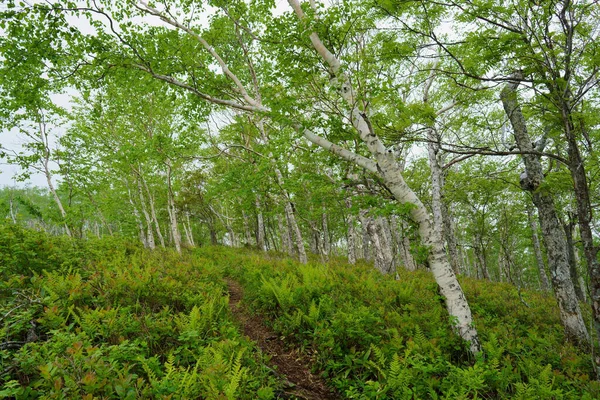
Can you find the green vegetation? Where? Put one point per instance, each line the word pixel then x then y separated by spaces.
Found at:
pixel 110 319
pixel 376 337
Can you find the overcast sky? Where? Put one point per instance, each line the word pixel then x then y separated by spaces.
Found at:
pixel 13 141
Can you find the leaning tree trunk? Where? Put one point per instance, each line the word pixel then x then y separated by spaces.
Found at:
pixel 481 255
pixel 387 167
pixel 552 232
pixel 59 204
pixel 291 219
pixel 384 258
pixel 437 184
pixel 187 227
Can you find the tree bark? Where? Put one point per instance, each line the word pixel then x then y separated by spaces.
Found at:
pixel 188 230
pixel 384 260
pixel 176 235
pixel 403 243
pixel 247 229
pixel 553 235
pixel 153 212
pixel 537 249
pixel 291 218
pixel 450 235
pixel 149 236
pixel 584 210
pixel 286 244
pixel 579 291
pixel 138 219
pixel 48 174
pixel 260 226
pixel 351 234
pixel 437 184
pixel 326 242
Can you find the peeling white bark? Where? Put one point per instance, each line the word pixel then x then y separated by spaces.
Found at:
pixel 390 172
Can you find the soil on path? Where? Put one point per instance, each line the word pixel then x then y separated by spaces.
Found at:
pixel 295 368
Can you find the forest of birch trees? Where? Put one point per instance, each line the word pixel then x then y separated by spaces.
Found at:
pixel 452 136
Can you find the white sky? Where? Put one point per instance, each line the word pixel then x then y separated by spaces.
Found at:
pixel 12 140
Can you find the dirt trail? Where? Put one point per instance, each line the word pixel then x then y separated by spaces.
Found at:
pixel 293 366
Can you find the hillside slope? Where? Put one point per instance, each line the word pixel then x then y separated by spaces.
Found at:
pixel 108 319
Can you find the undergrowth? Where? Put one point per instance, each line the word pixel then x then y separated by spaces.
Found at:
pixel 377 338
pixel 108 319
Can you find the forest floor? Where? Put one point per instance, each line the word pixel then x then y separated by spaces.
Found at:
pixel 288 362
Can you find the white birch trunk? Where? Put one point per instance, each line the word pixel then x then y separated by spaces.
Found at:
pixel 383 246
pixel 366 239
pixel 175 234
pixel 189 237
pixel 404 247
pixel 326 242
pixel 149 234
pixel 247 229
pixel 286 244
pixel 13 214
pixel 296 233
pixel 351 235
pixel 291 218
pixel 153 211
pixel 260 226
pixel 48 175
pixel 387 167
pixel 138 219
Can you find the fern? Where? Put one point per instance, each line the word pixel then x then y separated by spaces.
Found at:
pixel 237 373
pixel 420 338
pixel 152 377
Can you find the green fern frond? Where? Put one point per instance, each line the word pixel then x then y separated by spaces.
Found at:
pixel 237 373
